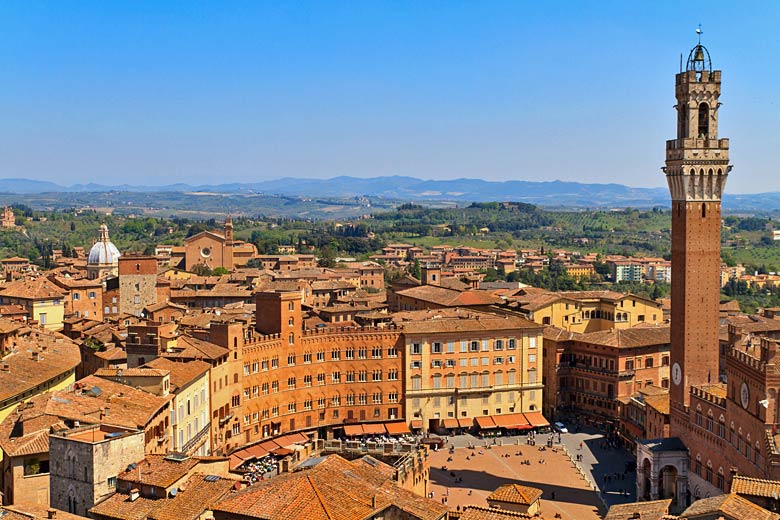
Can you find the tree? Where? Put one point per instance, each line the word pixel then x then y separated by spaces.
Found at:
pixel 416 269
pixel 327 257
pixel 219 271
pixel 202 270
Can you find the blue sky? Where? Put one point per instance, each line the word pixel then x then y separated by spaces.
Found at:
pixel 205 92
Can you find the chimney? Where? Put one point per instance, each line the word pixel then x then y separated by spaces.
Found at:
pixel 51 513
pixel 134 494
pixel 373 502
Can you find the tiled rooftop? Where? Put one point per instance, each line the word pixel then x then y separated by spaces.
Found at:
pixel 628 338
pixel 652 510
pixel 182 373
pixel 730 506
pixel 487 513
pixel 333 489
pixel 458 320
pixel 26 511
pixel 36 357
pixel 516 494
pixel 158 471
pixel 449 297
pixel 742 485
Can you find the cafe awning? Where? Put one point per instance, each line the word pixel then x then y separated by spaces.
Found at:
pixel 451 423
pixel 486 422
pixel 536 419
pixel 353 430
pixel 416 424
pixel 374 429
pixel 519 422
pixel 397 428
pixel 503 421
pixel 465 422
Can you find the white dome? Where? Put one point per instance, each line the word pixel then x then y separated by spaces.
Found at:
pixel 104 252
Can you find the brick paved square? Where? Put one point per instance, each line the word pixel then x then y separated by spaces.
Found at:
pixel 483 470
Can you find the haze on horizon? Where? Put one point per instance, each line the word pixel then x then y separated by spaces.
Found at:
pixel 150 92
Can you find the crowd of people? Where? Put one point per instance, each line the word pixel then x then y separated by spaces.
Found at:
pixel 260 469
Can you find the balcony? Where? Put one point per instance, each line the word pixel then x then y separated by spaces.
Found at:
pixel 693 142
pixel 224 420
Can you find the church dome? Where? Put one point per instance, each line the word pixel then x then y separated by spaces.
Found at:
pixel 104 252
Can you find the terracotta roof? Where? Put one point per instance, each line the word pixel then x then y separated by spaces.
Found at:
pixel 127 406
pixel 130 372
pixel 8 325
pixel 488 513
pixel 164 305
pixel 458 320
pixel 731 506
pixel 188 347
pixel 516 494
pixel 26 430
pixel 158 471
pixel 112 354
pixel 742 485
pixel 628 338
pixel 56 355
pixel 15 259
pixel 556 334
pixel 659 403
pixel 534 302
pixel 332 488
pixel 32 289
pixel 449 297
pixel 75 283
pixel 652 510
pixel 182 373
pixel 28 511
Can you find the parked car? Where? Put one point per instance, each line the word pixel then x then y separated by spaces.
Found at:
pixel 560 427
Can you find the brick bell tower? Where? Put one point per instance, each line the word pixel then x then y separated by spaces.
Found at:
pixel 697 164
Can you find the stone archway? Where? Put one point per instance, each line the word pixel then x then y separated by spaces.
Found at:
pixel 646 480
pixel 667 483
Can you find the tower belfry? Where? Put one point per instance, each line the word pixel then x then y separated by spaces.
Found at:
pixel 697 165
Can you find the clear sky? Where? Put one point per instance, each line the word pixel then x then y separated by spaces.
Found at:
pixel 158 92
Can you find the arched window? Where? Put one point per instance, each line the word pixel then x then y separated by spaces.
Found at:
pixel 682 120
pixel 704 121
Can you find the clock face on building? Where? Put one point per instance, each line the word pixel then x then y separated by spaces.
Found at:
pixel 676 374
pixel 744 395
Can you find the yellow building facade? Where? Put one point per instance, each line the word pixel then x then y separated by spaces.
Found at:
pixel 462 365
pixel 591 311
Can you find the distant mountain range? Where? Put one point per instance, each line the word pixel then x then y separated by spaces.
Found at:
pixel 549 194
